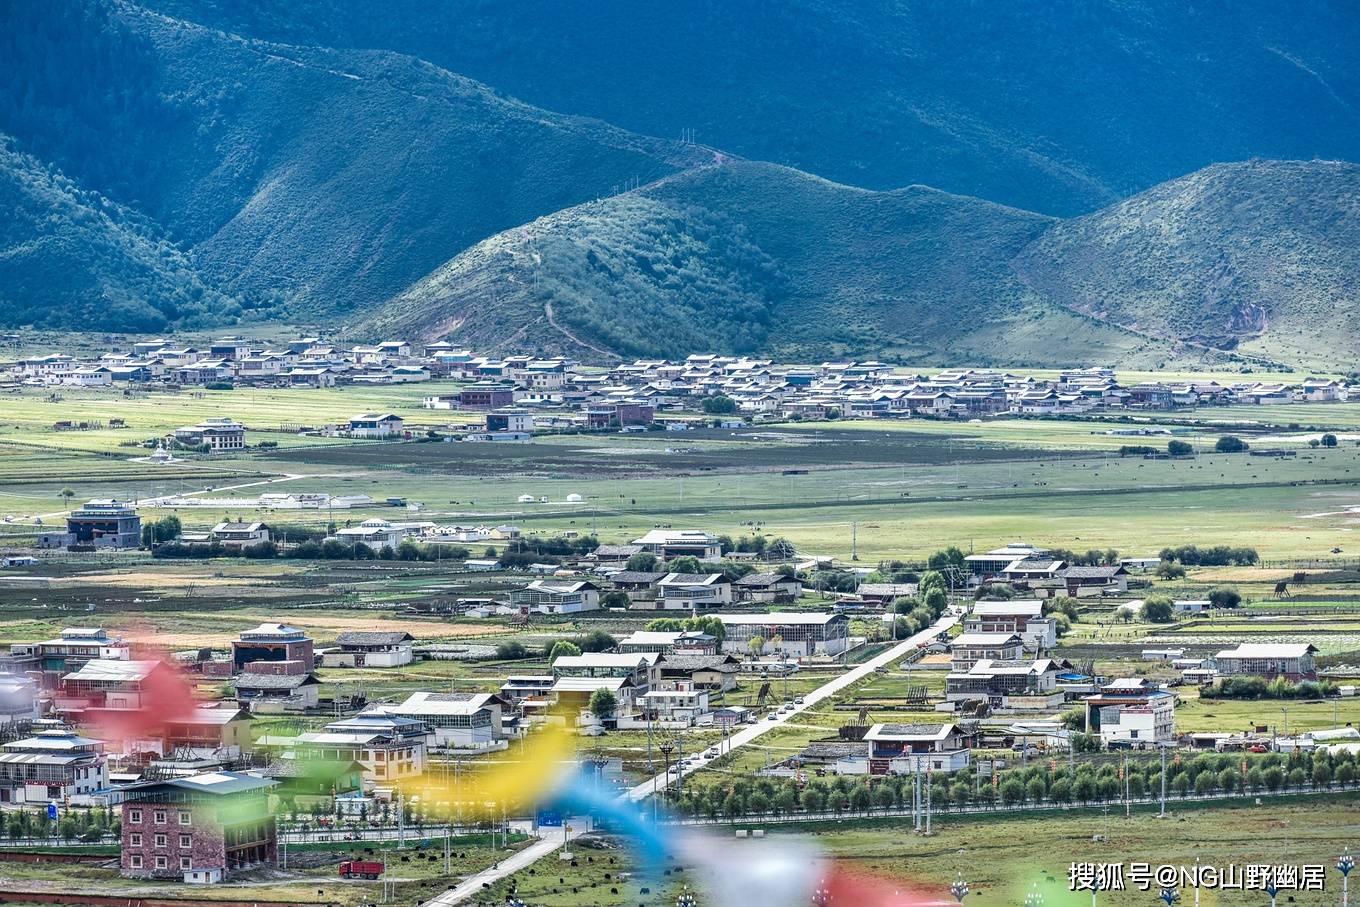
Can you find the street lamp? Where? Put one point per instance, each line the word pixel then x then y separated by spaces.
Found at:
pixel 959 890
pixel 666 750
pixel 1169 895
pixel 1344 864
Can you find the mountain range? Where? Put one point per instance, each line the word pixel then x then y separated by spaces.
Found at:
pixel 1134 182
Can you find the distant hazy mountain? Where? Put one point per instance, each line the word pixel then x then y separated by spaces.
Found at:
pixel 384 167
pixel 331 179
pixel 70 257
pixel 1264 256
pixel 753 258
pixel 1059 107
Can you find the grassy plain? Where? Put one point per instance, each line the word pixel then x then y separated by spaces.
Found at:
pixel 1003 859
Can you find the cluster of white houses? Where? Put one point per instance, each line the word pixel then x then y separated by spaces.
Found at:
pixel 632 393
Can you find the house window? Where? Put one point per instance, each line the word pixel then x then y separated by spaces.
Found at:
pixel 135 861
pixel 183 862
pixel 185 818
pixel 135 840
pixel 134 815
pixel 158 817
pixel 160 840
pixel 162 862
pixel 185 840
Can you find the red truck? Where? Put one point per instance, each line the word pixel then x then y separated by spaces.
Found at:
pixel 361 869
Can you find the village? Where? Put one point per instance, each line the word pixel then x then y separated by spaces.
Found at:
pixel 960 676
pixel 520 394
pixel 741 590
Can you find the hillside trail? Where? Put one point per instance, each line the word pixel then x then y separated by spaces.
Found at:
pixel 552 320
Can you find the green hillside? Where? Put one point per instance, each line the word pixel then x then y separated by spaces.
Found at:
pixel 1059 107
pixel 1261 256
pixel 70 257
pixel 326 179
pixel 747 257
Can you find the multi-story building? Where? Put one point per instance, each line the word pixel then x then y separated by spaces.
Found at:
pixel 389 747
pixel 1292 661
pixel 371 649
pixel 692 592
pixel 667 544
pixel 967 649
pixel 638 667
pixel 51 765
pixel 1025 618
pixel 1131 712
pixel 911 748
pixel 200 829
pixel 547 597
pixel 459 720
pixel 219 433
pixel 273 642
pixel 1002 684
pixel 795 633
pixel 72 648
pixel 99 524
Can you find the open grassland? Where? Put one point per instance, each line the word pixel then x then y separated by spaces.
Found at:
pixel 310 877
pixel 27 416
pixel 905 487
pixel 1003 859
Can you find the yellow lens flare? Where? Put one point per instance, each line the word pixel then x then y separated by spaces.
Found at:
pixel 518 782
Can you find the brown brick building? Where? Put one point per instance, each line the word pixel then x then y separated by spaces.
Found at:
pixel 200 828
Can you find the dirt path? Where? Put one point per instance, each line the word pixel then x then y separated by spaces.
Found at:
pixel 552 320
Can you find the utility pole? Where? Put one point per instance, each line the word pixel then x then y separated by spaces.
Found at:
pixel 1162 813
pixel 1125 769
pixel 928 776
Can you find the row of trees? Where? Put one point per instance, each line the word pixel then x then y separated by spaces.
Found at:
pixel 1260 688
pixel 80 824
pixel 1217 556
pixel 1040 784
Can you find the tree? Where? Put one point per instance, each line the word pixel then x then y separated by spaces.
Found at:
pixel 686 564
pixel 66 495
pixel 1179 448
pixel 1329 440
pixel 614 599
pixel 1230 444
pixel 1060 791
pixel 1345 774
pixel 603 704
pixel 511 651
pixel 756 645
pixel 1322 773
pixel 1156 610
pixel 718 404
pixel 1012 791
pixel 642 562
pixel 562 647
pixel 1273 777
pixel 1170 570
pixel 860 799
pixel 885 796
pixel 935 600
pixel 1224 597
pixel 1036 791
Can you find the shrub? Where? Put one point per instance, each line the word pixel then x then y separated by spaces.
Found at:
pixel 1230 444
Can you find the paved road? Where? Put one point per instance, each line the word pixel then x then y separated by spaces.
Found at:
pixel 763 725
pixel 541 848
pixel 746 735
